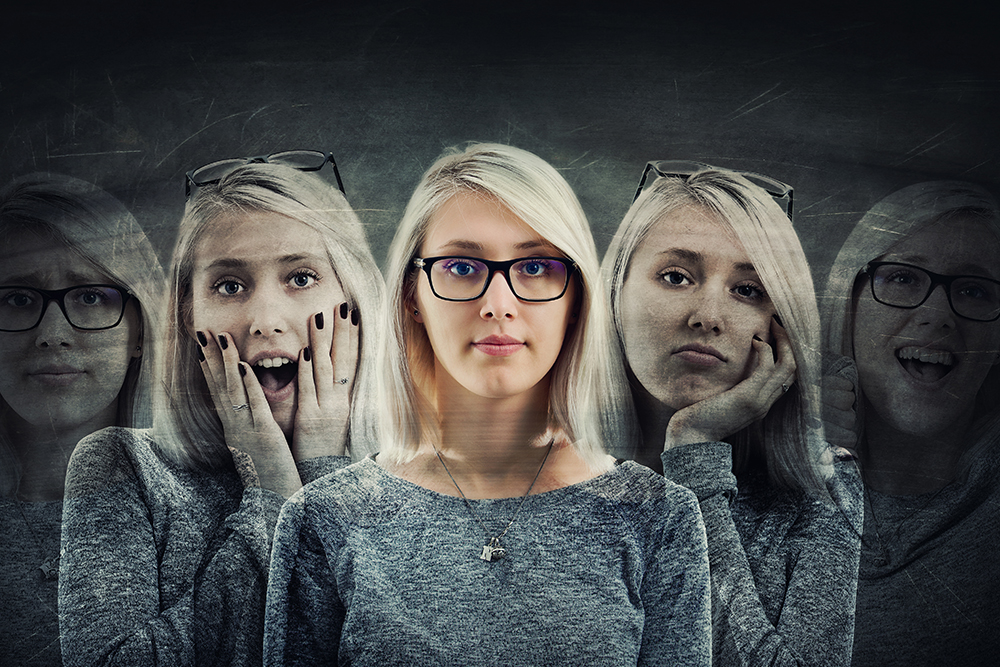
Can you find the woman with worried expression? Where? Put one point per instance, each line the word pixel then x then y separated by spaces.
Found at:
pixel 713 303
pixel 168 532
pixel 492 528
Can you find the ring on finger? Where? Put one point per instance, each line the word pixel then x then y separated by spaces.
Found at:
pixel 342 380
pixel 244 406
pixel 784 388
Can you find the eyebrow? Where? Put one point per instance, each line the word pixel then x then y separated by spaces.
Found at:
pixel 465 244
pixel 966 268
pixel 39 275
pixel 695 256
pixel 239 263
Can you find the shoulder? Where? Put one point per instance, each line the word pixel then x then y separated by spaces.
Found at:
pixel 643 497
pixel 361 493
pixel 108 456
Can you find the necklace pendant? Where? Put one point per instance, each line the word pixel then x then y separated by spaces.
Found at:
pixel 493 551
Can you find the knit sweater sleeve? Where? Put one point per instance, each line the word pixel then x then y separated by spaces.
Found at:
pixel 157 568
pixel 814 620
pixel 304 612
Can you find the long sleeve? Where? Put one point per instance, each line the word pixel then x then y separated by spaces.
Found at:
pixel 782 593
pixel 161 565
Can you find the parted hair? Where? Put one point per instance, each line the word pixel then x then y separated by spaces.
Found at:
pixel 587 380
pixel 187 427
pixel 95 225
pixel 788 441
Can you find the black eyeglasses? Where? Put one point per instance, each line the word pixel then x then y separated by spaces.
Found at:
pixel 86 307
pixel 301 160
pixel 907 286
pixel 532 279
pixel 780 192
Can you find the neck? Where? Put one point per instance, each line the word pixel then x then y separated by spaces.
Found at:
pixel 653 418
pixel 898 463
pixel 43 451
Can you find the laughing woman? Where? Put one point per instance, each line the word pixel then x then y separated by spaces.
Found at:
pixel 713 303
pixel 914 302
pixel 492 528
pixel 167 534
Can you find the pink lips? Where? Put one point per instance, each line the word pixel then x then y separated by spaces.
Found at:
pixel 498 345
pixel 57 375
pixel 700 355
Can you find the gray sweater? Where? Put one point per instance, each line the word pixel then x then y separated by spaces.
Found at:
pixel 164 565
pixel 929 586
pixel 370 569
pixel 784 566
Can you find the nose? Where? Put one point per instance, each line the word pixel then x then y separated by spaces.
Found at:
pixel 54 329
pixel 936 310
pixel 499 301
pixel 269 312
pixel 706 310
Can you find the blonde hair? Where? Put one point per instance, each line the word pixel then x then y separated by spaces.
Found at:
pixel 587 386
pixel 187 427
pixel 96 226
pixel 891 220
pixel 790 438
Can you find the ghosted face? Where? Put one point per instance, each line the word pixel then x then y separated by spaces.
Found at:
pixel 259 277
pixel 690 307
pixel 55 375
pixel 496 345
pixel 920 368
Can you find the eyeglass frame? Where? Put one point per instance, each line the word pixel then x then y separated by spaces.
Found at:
pixel 936 279
pixel 427 263
pixel 59 296
pixel 783 193
pixel 261 159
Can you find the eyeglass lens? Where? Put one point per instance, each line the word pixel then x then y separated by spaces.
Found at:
pixel 302 160
pixel 906 286
pixel 531 279
pixel 86 307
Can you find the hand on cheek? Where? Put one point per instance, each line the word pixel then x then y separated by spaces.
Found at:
pixel 771 372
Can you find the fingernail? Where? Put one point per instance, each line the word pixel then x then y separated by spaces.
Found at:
pixel 756 337
pixel 343 311
pixel 201 338
pixel 355 317
pixel 201 355
pixel 319 320
pixel 778 320
pixel 223 343
pixel 243 370
pixel 306 354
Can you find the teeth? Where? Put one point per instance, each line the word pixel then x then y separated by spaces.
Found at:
pixel 273 363
pixel 925 355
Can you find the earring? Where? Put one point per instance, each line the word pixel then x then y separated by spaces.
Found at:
pixel 138 348
pixel 416 312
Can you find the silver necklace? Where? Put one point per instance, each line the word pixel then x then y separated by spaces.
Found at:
pixel 492 551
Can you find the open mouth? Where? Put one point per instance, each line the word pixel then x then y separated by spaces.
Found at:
pixel 925 365
pixel 274 374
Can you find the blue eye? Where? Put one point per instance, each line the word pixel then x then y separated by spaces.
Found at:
pixel 18 300
pixel 673 277
pixel 534 269
pixel 228 287
pixel 461 269
pixel 750 291
pixel 304 279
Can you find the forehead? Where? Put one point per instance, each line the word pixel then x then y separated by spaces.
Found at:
pixel 257 236
pixel 957 245
pixel 478 222
pixel 38 260
pixel 692 228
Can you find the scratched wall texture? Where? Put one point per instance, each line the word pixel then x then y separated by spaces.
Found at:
pixel 846 105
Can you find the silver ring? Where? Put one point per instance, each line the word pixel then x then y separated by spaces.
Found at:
pixel 784 388
pixel 342 380
pixel 245 406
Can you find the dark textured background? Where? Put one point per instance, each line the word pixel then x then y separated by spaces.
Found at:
pixel 846 103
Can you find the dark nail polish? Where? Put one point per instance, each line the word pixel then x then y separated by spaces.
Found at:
pixel 355 317
pixel 201 338
pixel 201 355
pixel 223 343
pixel 343 311
pixel 306 354
pixel 319 320
pixel 756 337
pixel 778 320
pixel 243 370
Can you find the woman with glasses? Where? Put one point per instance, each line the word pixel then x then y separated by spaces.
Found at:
pixel 713 304
pixel 79 283
pixel 913 300
pixel 266 382
pixel 492 528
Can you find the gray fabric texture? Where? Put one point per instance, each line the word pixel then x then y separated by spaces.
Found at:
pixel 163 565
pixel 929 585
pixel 370 569
pixel 29 622
pixel 784 566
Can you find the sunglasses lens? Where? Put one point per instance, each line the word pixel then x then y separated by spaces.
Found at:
pixel 213 173
pixel 304 160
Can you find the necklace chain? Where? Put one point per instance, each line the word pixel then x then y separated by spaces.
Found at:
pixel 492 551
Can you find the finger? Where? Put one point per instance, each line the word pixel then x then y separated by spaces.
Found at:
pixel 307 400
pixel 345 347
pixel 838 393
pixel 212 366
pixel 260 409
pixel 235 391
pixel 783 346
pixel 322 329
